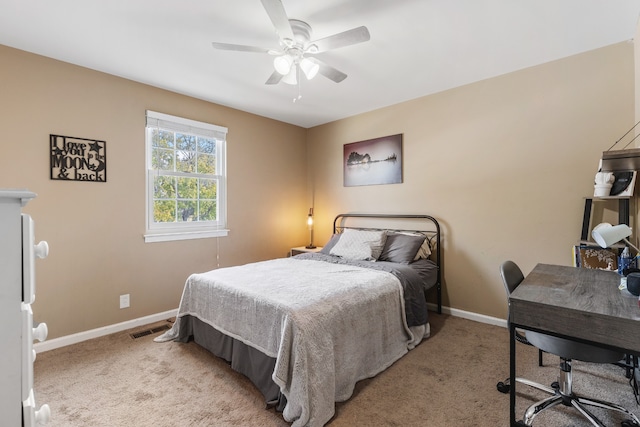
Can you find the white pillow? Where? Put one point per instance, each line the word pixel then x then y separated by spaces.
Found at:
pixel 360 244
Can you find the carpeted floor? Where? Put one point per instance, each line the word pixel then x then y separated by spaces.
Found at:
pixel 448 380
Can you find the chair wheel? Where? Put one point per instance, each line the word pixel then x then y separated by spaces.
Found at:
pixel 555 385
pixel 503 386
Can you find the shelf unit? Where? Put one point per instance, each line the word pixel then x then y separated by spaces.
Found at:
pixel 623 213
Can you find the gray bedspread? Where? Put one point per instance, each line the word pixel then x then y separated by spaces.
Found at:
pixel 328 324
pixel 412 283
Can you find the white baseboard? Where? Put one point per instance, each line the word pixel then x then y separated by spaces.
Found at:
pixel 123 326
pixel 99 332
pixel 470 315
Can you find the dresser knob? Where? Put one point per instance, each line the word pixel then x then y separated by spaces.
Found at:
pixel 43 415
pixel 40 332
pixel 41 249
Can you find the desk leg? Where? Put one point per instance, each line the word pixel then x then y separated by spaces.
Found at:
pixel 512 375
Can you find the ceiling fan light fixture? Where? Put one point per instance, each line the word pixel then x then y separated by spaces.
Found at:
pixel 283 64
pixel 309 68
pixel 291 78
pixel 295 42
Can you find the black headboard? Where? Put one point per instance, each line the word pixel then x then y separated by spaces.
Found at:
pixel 425 224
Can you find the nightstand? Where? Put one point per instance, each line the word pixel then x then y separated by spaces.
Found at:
pixel 303 250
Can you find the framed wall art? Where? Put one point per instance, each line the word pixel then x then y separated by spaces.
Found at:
pixel 77 159
pixel 373 162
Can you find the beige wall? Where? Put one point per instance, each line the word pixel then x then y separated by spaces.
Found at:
pixel 95 229
pixel 504 164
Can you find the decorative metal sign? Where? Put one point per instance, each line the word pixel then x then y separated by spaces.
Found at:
pixel 78 159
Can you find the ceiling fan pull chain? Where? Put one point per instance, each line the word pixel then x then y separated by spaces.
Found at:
pixel 299 83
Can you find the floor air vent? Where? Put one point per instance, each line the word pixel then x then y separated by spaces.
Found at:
pixel 146 332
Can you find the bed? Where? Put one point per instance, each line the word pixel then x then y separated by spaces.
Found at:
pixel 305 329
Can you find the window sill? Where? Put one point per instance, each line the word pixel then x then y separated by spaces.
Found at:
pixel 182 235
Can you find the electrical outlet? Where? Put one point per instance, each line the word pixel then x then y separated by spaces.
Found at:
pixel 124 301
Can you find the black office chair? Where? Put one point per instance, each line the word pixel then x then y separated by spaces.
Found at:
pixel 567 350
pixel 511 277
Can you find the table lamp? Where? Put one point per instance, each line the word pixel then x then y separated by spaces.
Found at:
pixel 606 235
pixel 310 225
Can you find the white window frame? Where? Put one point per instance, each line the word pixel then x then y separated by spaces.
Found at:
pixel 162 232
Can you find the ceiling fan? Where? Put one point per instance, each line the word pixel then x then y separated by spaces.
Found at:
pixel 296 51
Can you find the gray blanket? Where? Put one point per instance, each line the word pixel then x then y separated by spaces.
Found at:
pixel 328 325
pixel 412 282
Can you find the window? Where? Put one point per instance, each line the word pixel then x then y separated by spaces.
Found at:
pixel 186 179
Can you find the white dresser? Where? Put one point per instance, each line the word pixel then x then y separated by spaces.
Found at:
pixel 18 252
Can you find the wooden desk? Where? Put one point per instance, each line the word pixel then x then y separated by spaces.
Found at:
pixel 576 303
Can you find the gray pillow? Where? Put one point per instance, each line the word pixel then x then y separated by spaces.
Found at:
pixel 425 249
pixel 401 248
pixel 326 249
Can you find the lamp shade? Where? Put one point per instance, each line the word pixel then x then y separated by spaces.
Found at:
pixel 606 234
pixel 283 64
pixel 309 68
pixel 291 78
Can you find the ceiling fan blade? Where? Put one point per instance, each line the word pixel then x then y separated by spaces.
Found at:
pixel 240 47
pixel 279 17
pixel 329 72
pixel 274 79
pixel 346 38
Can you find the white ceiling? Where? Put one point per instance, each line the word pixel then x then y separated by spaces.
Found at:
pixel 417 47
